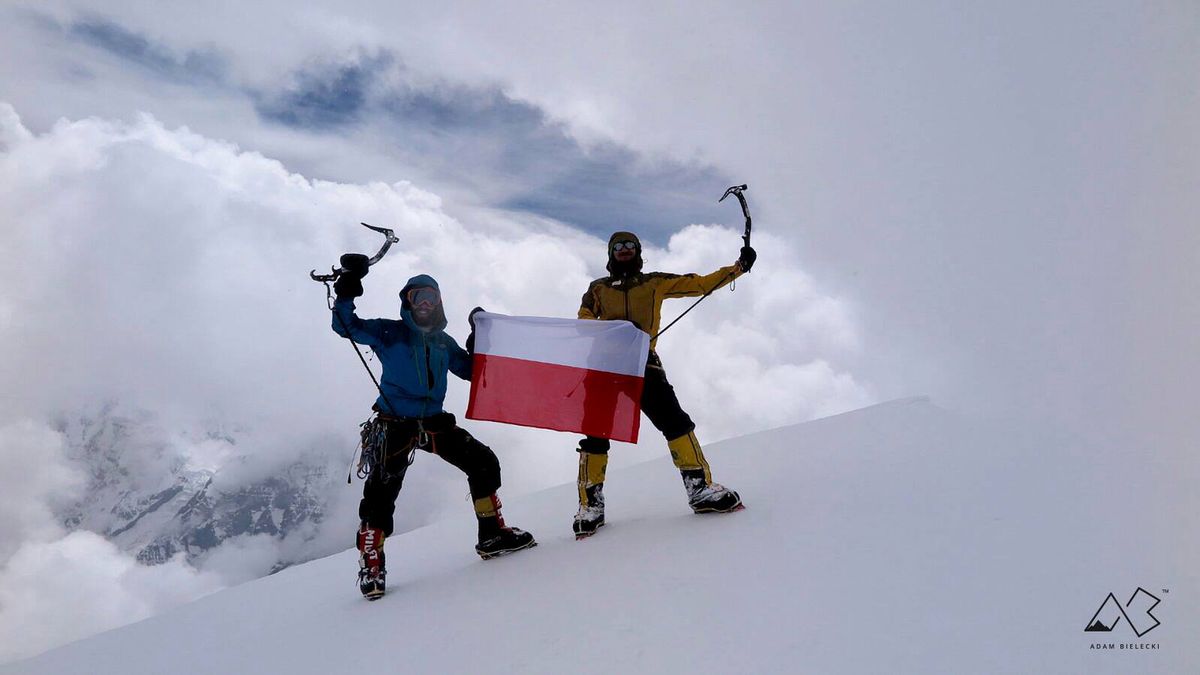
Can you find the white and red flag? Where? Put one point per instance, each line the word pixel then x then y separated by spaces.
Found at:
pixel 562 374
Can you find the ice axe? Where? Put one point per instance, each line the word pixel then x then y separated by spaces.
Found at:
pixel 337 271
pixel 737 190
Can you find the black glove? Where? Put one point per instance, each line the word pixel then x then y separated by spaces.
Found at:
pixel 471 317
pixel 347 286
pixel 354 268
pixel 471 337
pixel 747 258
pixel 356 264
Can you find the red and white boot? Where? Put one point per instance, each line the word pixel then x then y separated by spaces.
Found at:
pixel 371 570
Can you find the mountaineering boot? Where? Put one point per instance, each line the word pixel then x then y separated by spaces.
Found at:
pixel 496 538
pixel 371 571
pixel 689 456
pixel 590 516
pixel 708 497
pixel 704 496
pixel 508 540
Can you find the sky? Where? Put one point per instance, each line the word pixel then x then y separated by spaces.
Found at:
pixel 991 205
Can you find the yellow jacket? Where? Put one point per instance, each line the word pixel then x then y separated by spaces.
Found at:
pixel 638 297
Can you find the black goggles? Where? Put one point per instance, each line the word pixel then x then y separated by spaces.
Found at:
pixel 621 245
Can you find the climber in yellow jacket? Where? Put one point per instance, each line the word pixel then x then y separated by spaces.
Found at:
pixel 629 294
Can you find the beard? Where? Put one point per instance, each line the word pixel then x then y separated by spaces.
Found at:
pixel 624 268
pixel 424 318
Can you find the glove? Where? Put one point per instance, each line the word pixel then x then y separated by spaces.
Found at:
pixel 747 258
pixel 356 264
pixel 349 283
pixel 471 337
pixel 348 286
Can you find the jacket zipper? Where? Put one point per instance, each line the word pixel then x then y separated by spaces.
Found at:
pixel 428 367
pixel 627 317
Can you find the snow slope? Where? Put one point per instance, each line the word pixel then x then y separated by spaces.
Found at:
pixel 895 539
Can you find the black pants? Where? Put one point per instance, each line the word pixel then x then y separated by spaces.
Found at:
pixel 446 440
pixel 659 403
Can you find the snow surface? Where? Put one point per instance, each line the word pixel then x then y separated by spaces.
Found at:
pixel 899 538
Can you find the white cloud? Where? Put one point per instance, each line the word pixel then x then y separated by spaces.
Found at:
pixel 761 354
pixel 56 586
pixel 36 476
pixel 63 590
pixel 241 559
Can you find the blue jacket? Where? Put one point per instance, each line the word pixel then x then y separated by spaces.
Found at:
pixel 415 362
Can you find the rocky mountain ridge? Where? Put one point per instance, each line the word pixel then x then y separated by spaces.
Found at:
pixel 155 501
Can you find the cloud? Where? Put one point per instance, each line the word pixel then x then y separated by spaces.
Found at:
pixel 475 138
pixel 193 66
pixel 63 590
pixel 44 569
pixel 36 477
pixel 508 152
pixel 778 339
pixel 324 96
pixel 244 558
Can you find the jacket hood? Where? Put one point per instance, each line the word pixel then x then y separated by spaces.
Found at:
pixel 439 314
pixel 620 269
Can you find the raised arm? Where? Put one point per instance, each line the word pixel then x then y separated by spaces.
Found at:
pixel 347 287
pixel 688 285
pixel 347 324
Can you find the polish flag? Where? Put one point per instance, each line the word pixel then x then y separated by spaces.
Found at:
pixel 561 374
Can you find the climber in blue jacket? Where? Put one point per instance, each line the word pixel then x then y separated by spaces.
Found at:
pixel 416 355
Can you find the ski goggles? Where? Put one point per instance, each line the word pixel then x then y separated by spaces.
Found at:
pixel 622 245
pixel 423 295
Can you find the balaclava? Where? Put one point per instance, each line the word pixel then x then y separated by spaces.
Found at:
pixel 437 321
pixel 623 269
